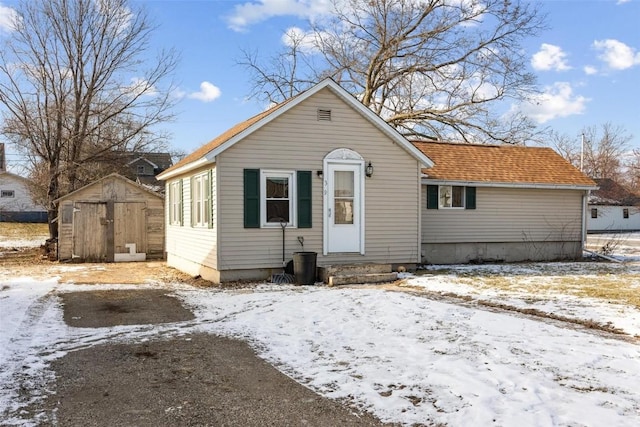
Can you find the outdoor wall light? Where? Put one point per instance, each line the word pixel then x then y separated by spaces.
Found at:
pixel 319 173
pixel 369 170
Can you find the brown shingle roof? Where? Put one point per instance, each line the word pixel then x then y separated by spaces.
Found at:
pixel 500 164
pixel 612 193
pixel 225 136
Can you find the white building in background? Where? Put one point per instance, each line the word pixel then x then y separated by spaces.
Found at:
pixel 612 208
pixel 16 201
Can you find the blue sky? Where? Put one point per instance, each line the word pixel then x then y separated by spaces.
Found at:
pixel 587 61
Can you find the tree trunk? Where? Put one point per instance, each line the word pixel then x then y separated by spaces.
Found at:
pixel 53 192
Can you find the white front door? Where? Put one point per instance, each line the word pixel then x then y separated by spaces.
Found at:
pixel 343 207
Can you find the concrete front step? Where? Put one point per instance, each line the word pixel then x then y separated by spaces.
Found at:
pixel 352 269
pixel 357 279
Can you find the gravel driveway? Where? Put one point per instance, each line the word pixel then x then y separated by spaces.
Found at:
pixel 190 380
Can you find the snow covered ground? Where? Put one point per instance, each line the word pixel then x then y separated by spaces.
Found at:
pixel 408 357
pixel 625 245
pixel 10 240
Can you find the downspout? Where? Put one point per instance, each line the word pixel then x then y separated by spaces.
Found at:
pixel 585 197
pixel 419 254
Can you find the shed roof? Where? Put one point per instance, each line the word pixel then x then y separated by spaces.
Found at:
pixel 104 178
pixel 501 164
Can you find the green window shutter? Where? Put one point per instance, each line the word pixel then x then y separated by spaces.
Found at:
pixel 252 198
pixel 432 197
pixel 304 199
pixel 470 198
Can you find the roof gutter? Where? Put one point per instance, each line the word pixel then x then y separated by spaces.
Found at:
pixel 508 184
pixel 186 168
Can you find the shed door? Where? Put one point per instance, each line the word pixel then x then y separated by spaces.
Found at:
pixel 130 225
pixel 90 231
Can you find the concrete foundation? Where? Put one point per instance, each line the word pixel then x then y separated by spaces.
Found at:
pixel 463 253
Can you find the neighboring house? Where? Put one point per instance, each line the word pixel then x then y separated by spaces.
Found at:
pixel 501 203
pixel 16 202
pixel 354 190
pixel 612 208
pixel 111 219
pixel 143 168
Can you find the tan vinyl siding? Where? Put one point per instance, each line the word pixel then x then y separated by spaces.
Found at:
pixel 507 215
pixel 298 141
pixel 195 244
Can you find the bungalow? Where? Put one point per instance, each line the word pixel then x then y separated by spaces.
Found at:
pixel 323 173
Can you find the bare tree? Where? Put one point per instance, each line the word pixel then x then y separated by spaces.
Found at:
pixel 430 68
pixel 75 82
pixel 633 175
pixel 605 147
pixel 567 146
pixel 600 151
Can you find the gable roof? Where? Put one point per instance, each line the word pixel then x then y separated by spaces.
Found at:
pixel 611 193
pixel 208 152
pixel 110 176
pixel 504 165
pixel 13 175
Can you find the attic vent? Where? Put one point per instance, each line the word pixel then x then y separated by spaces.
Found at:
pixel 324 115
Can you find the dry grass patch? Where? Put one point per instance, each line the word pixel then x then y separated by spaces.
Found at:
pixel 621 287
pixel 20 230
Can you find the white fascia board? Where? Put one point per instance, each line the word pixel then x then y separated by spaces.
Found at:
pixel 376 120
pixel 508 184
pixel 349 99
pixel 277 113
pixel 145 159
pixel 186 168
pixel 338 90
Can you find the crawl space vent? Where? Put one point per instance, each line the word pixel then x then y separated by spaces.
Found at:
pixel 324 115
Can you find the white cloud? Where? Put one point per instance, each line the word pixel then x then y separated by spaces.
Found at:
pixel 7 18
pixel 616 54
pixel 208 92
pixel 307 41
pixel 589 70
pixel 622 1
pixel 556 101
pixel 250 13
pixel 140 87
pixel 550 57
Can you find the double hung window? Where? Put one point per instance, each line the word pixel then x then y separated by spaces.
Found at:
pixel 278 198
pixel 200 200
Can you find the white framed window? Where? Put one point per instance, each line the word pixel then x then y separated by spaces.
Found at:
pixel 451 196
pixel 200 200
pixel 141 170
pixel 277 198
pixel 7 193
pixel 175 203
